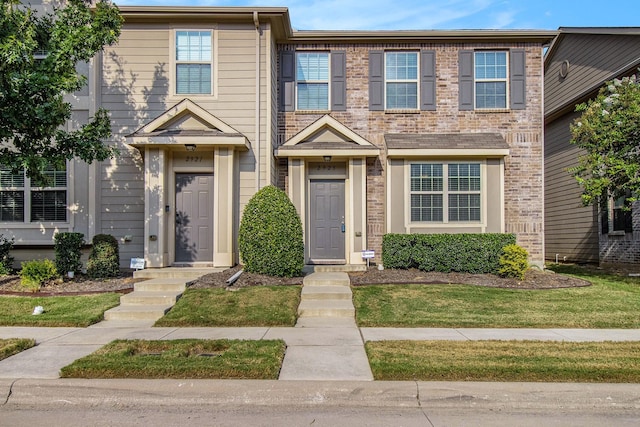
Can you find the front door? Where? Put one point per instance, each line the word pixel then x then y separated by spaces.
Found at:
pixel 326 225
pixel 194 218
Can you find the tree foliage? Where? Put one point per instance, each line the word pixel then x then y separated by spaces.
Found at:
pixel 38 57
pixel 609 133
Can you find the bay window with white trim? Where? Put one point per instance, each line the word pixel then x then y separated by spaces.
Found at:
pixel 434 199
pixel 21 202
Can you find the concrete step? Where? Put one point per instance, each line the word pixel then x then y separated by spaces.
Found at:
pixel 136 312
pixel 187 273
pixel 326 308
pixel 162 285
pixel 338 268
pixel 327 279
pixel 326 322
pixel 314 292
pixel 150 298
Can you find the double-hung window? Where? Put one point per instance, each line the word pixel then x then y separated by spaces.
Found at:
pixel 193 62
pixel 616 216
pixel 490 71
pixel 401 80
pixel 434 199
pixel 22 202
pixel 312 81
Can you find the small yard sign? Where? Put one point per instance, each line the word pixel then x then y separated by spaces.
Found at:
pixel 368 254
pixel 137 264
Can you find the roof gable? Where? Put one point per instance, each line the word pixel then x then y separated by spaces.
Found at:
pixel 186 116
pixel 327 130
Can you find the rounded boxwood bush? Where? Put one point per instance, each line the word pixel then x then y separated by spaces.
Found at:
pixel 104 259
pixel 270 236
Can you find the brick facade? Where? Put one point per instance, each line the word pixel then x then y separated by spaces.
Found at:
pixel 620 248
pixel 521 129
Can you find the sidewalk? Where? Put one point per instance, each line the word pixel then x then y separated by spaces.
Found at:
pixel 58 347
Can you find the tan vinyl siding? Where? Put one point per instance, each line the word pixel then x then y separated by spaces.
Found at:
pixel 593 59
pixel 138 86
pixel 571 230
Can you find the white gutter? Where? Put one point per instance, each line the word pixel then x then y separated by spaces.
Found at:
pixel 257 153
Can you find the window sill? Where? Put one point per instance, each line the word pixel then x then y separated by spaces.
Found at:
pixel 616 233
pixel 492 110
pixel 402 111
pixel 304 112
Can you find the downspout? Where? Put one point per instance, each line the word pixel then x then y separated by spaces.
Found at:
pixel 257 153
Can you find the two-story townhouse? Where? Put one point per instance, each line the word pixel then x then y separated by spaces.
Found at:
pixel 368 132
pixel 411 132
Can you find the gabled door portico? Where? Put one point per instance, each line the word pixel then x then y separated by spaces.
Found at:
pixel 191 174
pixel 327 177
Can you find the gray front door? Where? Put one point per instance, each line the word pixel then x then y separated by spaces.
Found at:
pixel 194 217
pixel 326 223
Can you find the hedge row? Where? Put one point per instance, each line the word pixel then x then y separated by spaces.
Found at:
pixel 468 253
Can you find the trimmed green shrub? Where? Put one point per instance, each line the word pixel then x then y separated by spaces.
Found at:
pixel 270 237
pixel 6 260
pixel 67 248
pixel 465 253
pixel 104 259
pixel 513 262
pixel 35 273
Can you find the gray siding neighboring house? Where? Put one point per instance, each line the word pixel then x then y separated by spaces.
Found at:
pixel 578 63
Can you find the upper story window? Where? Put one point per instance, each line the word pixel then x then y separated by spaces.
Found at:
pixel 490 79
pixel 401 80
pixel 193 62
pixel 22 202
pixel 458 199
pixel 312 80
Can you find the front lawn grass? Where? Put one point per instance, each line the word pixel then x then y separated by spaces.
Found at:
pixel 197 359
pixel 614 362
pixel 611 302
pixel 251 306
pixel 74 311
pixel 11 346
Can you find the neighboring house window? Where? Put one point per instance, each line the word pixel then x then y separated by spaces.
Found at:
pixel 615 217
pixel 193 62
pixel 434 200
pixel 401 80
pixel 20 202
pixel 491 79
pixel 312 80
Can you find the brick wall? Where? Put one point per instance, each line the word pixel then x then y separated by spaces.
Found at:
pixel 522 129
pixel 623 248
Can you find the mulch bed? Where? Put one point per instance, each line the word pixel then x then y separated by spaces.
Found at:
pixel 79 285
pixel 82 284
pixel 534 279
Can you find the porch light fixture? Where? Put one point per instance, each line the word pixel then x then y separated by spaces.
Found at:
pixel 190 147
pixel 327 158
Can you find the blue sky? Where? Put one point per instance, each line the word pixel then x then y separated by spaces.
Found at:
pixel 437 14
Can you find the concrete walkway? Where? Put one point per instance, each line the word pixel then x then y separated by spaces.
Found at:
pixel 58 347
pixel 325 344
